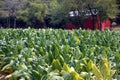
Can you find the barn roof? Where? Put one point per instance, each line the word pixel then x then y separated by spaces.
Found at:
pixel 85 12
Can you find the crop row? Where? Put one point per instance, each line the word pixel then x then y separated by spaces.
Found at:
pixel 47 54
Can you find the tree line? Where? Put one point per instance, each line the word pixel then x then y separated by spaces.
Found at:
pixel 51 13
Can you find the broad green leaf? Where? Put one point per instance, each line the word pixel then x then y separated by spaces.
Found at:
pixel 56 64
pixel 97 72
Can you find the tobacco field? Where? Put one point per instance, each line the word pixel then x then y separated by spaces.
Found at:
pixel 48 54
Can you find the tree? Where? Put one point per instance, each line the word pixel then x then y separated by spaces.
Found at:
pixel 118 16
pixel 9 9
pixel 2 10
pixel 58 14
pixel 34 12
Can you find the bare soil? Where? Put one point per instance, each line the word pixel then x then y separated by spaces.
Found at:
pixel 3 74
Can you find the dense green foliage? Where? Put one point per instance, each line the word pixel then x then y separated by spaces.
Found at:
pixel 33 54
pixel 34 12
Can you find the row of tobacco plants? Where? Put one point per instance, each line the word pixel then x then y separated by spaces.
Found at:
pixel 47 54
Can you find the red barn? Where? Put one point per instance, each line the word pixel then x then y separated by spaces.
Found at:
pixel 105 24
pixel 92 22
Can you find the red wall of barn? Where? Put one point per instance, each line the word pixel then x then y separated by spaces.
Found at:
pixel 88 24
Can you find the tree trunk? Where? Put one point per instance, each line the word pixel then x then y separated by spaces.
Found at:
pixel 14 21
pixel 100 24
pixel 9 21
pixel 44 25
pixel 93 23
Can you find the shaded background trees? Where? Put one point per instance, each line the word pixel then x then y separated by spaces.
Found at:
pixel 31 12
pixel 55 13
pixel 118 15
pixel 10 9
pixel 34 12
